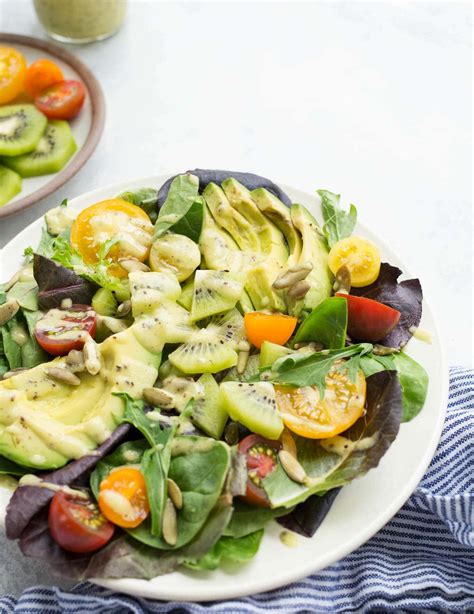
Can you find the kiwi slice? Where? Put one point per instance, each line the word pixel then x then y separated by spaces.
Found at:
pixel 104 302
pixel 254 406
pixel 186 297
pixel 205 352
pixel 229 326
pixel 53 151
pixel 270 352
pixel 10 184
pixel 21 127
pixel 175 322
pixel 208 412
pixel 251 368
pixel 215 292
pixel 149 289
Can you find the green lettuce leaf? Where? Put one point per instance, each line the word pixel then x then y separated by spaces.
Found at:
pixel 145 198
pixel 337 223
pixel 182 194
pixel 229 550
pixel 327 324
pixel 414 382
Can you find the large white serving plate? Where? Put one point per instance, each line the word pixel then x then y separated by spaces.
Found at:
pixel 360 510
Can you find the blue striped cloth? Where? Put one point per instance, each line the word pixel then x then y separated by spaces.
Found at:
pixel 423 559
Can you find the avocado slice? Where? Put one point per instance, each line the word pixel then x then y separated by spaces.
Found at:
pixel 220 252
pixel 314 250
pixel 279 214
pixel 45 423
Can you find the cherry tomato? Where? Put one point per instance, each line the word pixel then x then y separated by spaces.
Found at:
pixel 61 330
pixel 108 219
pixel 369 320
pixel 62 100
pixel 77 524
pixel 275 328
pixel 12 74
pixel 123 497
pixel 360 256
pixel 305 413
pixel 262 458
pixel 40 75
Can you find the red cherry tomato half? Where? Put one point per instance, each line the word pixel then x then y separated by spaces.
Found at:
pixel 62 100
pixel 78 525
pixel 369 320
pixel 262 458
pixel 61 330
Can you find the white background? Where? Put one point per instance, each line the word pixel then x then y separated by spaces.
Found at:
pixel 372 100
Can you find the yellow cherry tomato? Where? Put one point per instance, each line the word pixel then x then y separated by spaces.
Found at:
pixel 123 497
pixel 360 256
pixel 112 219
pixel 12 74
pixel 305 413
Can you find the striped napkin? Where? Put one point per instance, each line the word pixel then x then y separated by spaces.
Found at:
pixel 423 559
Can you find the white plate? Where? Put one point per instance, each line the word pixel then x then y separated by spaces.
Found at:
pixel 360 510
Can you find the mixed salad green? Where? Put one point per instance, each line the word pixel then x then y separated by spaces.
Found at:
pixel 183 366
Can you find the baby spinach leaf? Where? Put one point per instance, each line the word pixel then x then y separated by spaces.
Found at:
pixel 406 296
pixel 181 196
pixel 134 414
pixel 337 223
pixel 327 323
pixel 229 550
pixel 301 369
pixel 190 224
pixel 414 382
pixel 370 364
pixel 247 519
pixel 335 462
pixel 26 293
pixel 199 466
pixel 145 198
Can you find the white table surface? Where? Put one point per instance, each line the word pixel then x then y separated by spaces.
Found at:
pixel 372 100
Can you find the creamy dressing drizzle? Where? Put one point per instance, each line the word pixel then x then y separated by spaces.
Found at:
pixel 33 480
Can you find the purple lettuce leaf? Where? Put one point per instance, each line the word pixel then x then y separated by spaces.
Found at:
pixel 307 517
pixel 27 501
pixel 249 180
pixel 406 296
pixel 56 282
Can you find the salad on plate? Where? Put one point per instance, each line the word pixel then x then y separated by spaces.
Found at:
pixel 182 366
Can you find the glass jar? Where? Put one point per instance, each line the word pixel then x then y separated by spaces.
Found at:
pixel 80 21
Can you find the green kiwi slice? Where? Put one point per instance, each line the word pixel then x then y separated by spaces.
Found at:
pixel 54 149
pixel 10 184
pixel 229 326
pixel 21 127
pixel 254 406
pixel 205 352
pixel 215 292
pixel 208 412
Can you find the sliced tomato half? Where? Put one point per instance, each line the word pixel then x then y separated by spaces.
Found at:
pixel 369 320
pixel 77 525
pixel 61 330
pixel 262 458
pixel 61 100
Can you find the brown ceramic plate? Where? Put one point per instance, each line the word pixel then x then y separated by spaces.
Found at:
pixel 87 126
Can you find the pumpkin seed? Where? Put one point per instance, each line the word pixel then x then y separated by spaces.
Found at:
pixel 288 443
pixel 158 397
pixel 299 290
pixel 75 361
pixel 8 310
pixel 342 283
pixel 294 274
pixel 242 360
pixel 124 309
pixel 169 527
pixel 175 494
pixel 12 281
pixel 132 264
pixel 91 356
pixel 383 350
pixel 63 376
pixel 293 469
pixel 13 372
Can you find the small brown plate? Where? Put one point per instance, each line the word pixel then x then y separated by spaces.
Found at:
pixel 87 126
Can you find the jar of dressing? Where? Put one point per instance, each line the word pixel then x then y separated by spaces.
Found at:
pixel 80 21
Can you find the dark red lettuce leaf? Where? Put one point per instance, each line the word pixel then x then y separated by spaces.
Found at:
pixel 249 180
pixel 406 296
pixel 123 557
pixel 56 282
pixel 307 517
pixel 27 501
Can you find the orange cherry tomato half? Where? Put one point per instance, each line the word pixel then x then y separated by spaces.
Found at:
pixel 305 413
pixel 108 219
pixel 77 524
pixel 12 74
pixel 40 75
pixel 123 497
pixel 276 328
pixel 262 457
pixel 62 100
